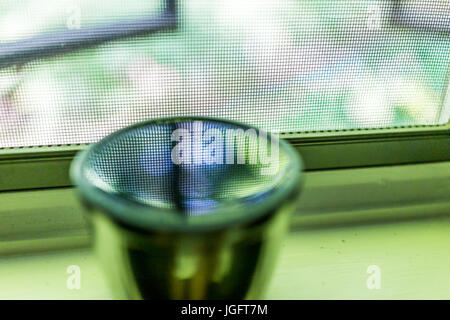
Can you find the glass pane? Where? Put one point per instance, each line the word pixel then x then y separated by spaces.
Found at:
pixel 283 65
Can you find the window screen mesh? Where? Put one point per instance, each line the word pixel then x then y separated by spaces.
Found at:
pixel 282 65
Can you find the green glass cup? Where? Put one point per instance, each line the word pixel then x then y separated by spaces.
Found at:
pixel 188 207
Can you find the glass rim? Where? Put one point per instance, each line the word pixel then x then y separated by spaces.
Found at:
pixel 131 213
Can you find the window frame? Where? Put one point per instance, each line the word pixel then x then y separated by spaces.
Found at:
pixel 36 221
pixel 58 43
pixel 48 166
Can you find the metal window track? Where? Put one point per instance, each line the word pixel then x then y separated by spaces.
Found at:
pixel 48 166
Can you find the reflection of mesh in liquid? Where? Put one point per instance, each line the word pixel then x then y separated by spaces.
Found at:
pixel 137 164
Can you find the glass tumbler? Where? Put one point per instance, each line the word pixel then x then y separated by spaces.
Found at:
pixel 188 207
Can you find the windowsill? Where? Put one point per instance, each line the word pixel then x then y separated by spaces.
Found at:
pixel 315 264
pixel 345 223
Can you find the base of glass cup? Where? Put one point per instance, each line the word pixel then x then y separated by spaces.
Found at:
pixel 233 263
